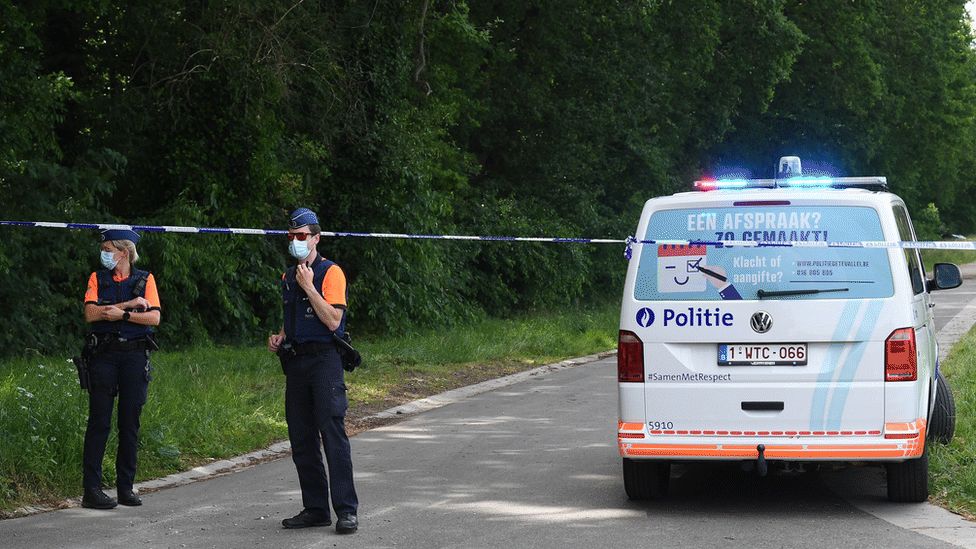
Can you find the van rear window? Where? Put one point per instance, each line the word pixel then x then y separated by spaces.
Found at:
pixel 710 273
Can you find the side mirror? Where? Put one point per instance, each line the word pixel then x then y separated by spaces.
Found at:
pixel 947 276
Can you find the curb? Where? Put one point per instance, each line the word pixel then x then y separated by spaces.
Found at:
pixel 281 449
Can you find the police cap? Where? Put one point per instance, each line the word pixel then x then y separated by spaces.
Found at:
pixel 302 217
pixel 120 234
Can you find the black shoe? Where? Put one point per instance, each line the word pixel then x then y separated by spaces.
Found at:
pixel 347 524
pixel 97 499
pixel 307 518
pixel 128 497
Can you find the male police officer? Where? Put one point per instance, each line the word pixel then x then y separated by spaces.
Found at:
pixel 314 297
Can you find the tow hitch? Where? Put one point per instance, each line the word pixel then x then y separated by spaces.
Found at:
pixel 761 468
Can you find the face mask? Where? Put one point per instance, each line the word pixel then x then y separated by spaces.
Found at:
pixel 108 260
pixel 298 249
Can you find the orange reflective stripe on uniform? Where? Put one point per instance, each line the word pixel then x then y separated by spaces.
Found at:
pixel 334 286
pixel 91 296
pixel 152 296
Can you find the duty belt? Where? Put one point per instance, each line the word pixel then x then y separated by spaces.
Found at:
pixel 122 345
pixel 311 348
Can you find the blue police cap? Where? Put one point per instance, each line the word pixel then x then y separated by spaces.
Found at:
pixel 120 234
pixel 302 217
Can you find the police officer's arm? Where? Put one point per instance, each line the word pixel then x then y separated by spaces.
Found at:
pixel 150 314
pixel 95 312
pixel 329 315
pixel 146 318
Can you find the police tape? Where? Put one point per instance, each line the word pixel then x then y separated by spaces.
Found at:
pixel 630 241
pixel 274 232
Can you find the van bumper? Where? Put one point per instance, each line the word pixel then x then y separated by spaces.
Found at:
pixel 898 441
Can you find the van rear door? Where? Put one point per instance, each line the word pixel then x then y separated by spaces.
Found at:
pixel 769 340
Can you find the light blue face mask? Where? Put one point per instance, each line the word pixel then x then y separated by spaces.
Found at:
pixel 108 260
pixel 298 249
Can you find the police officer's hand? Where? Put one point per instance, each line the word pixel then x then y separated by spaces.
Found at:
pixel 304 276
pixel 137 303
pixel 274 341
pixel 112 313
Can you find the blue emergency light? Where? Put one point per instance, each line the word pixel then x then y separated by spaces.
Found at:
pixel 789 174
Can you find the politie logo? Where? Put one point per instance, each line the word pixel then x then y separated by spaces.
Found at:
pixel 692 317
pixel 645 317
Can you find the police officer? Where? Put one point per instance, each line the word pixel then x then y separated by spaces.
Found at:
pixel 121 306
pixel 314 297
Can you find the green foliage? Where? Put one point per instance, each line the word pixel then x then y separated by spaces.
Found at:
pixel 511 117
pixel 928 225
pixel 952 474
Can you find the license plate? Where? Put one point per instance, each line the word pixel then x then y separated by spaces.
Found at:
pixel 776 354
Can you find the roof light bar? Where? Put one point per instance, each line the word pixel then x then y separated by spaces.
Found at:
pixel 790 174
pixel 718 184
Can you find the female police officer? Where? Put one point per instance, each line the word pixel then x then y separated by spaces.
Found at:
pixel 121 306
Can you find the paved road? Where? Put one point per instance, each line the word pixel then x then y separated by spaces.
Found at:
pixel 949 303
pixel 530 465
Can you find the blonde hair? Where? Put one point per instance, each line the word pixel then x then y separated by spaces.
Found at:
pixel 129 247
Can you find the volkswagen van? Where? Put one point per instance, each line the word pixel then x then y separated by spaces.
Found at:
pixel 777 321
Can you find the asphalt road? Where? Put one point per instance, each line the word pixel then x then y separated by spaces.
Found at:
pixel 530 465
pixel 949 303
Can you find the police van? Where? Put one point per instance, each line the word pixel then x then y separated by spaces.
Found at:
pixel 757 326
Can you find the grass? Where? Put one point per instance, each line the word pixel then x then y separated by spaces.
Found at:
pixel 952 468
pixel 211 403
pixel 959 257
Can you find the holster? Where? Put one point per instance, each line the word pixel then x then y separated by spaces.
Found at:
pixel 83 361
pixel 84 376
pixel 286 351
pixel 350 357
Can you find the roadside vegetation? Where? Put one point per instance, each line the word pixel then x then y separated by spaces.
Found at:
pixel 959 257
pixel 952 468
pixel 211 403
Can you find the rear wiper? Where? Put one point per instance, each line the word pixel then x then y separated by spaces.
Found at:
pixel 776 293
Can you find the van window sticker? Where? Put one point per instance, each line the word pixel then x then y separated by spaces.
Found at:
pixel 702 272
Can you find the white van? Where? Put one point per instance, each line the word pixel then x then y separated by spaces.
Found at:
pixel 800 348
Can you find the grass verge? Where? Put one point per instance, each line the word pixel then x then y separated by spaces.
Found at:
pixel 952 468
pixel 211 403
pixel 959 257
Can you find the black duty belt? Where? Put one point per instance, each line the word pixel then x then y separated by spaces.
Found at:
pixel 122 345
pixel 312 348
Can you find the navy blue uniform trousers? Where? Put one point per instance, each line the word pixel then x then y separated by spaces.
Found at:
pixel 123 373
pixel 315 409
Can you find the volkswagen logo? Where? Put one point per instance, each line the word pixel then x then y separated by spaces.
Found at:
pixel 761 322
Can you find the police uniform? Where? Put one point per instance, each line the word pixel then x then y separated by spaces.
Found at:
pixel 315 391
pixel 120 366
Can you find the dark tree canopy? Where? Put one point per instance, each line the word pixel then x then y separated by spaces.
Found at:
pixel 516 117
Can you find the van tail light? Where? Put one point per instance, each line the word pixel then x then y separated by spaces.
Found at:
pixel 901 362
pixel 630 358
